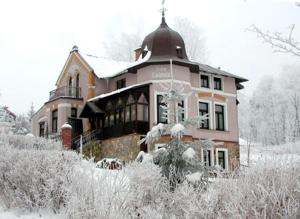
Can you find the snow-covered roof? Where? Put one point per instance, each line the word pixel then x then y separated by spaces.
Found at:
pixel 106 68
pixel 117 91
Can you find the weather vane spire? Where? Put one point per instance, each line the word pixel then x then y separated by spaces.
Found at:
pixel 163 9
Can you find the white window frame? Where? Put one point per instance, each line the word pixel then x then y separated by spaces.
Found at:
pixel 211 156
pixel 225 115
pixel 226 157
pixel 185 102
pixel 155 106
pixel 210 110
pixel 210 84
pixel 213 83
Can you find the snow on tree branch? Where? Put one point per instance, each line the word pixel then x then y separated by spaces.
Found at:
pixel 284 43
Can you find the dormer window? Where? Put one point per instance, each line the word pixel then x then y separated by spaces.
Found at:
pixel 121 83
pixel 145 51
pixel 179 51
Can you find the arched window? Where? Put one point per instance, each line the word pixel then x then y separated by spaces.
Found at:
pixel 77 86
pixel 70 86
pixel 109 115
pixel 142 108
pixel 130 110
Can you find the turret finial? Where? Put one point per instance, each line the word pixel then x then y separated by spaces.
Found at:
pixel 163 11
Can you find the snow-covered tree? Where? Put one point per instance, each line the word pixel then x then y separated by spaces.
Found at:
pixel 271 115
pixel 280 42
pixel 193 37
pixel 178 159
pixel 22 124
pixel 30 112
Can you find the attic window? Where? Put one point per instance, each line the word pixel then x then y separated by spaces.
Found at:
pixel 145 51
pixel 179 51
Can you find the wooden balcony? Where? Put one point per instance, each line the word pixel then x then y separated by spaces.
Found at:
pixel 66 91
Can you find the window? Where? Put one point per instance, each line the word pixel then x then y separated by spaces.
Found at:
pixel 219 117
pixel 127 113
pixel 217 83
pixel 121 83
pixel 70 87
pixel 106 123
pixel 42 129
pixel 109 119
pixel 207 157
pixel 204 81
pixel 203 110
pixel 179 52
pixel 180 110
pixel 54 121
pixel 77 86
pixel 119 111
pixel 222 157
pixel 73 112
pixel 142 108
pixel 130 110
pixel 161 116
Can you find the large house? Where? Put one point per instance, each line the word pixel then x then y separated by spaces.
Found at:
pixel 113 105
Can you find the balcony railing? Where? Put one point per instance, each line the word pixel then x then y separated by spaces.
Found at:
pixel 66 91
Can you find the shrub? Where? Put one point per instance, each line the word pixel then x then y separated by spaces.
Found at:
pixel 31 177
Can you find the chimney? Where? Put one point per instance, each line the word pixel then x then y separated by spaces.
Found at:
pixel 138 52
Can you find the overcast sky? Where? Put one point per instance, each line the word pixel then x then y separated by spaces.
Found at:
pixel 36 37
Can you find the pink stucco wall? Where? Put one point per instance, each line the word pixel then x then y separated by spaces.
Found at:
pixel 190 82
pixel 155 74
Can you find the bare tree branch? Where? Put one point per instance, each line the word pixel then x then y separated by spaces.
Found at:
pixel 193 37
pixel 279 42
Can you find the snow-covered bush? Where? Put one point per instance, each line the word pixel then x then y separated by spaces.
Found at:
pixel 29 142
pixel 126 193
pixel 261 192
pixel 97 193
pixel 33 178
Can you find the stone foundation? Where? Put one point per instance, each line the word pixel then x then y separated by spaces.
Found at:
pixel 125 148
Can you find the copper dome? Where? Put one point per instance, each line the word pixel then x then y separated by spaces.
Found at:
pixel 164 44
